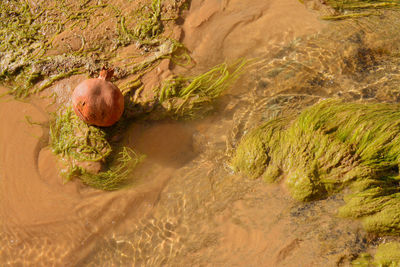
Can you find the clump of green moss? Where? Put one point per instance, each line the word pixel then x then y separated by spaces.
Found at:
pixel 387 255
pixel 253 154
pixel 76 142
pixel 329 146
pixel 117 171
pixel 185 97
pixel 73 138
pixel 363 260
pixel 148 25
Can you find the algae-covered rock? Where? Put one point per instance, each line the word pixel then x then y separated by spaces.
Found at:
pixel 73 138
pixel 329 146
pixel 83 146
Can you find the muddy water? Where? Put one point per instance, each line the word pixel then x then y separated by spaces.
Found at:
pixel 215 30
pixel 186 206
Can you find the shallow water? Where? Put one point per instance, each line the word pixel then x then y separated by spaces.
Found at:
pixel 186 206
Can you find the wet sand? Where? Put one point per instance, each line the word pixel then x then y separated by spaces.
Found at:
pixel 186 207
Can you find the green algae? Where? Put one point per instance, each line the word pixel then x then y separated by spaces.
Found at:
pixel 76 142
pixel 186 97
pixel 73 138
pixel 347 5
pixel 347 16
pixel 330 146
pixel 253 155
pixel 377 207
pixel 387 255
pixel 363 260
pixel 117 174
pixel 147 25
pixel 348 9
pixel 28 33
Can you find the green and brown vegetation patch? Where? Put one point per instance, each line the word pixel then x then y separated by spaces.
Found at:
pixel 347 9
pixel 331 146
pixel 89 153
pixel 387 255
pixel 188 97
pixel 47 41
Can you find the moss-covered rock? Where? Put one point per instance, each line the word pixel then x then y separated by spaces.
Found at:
pixel 329 146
